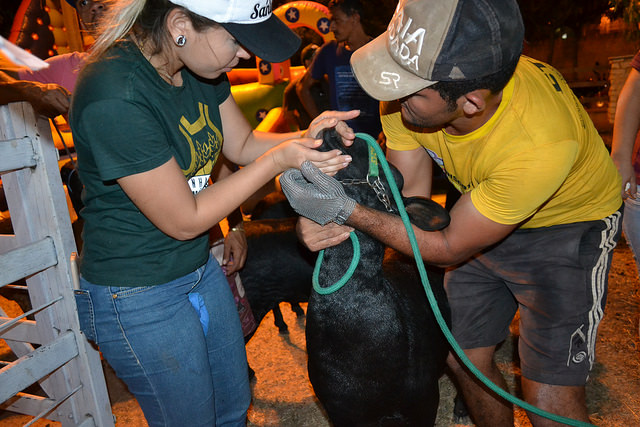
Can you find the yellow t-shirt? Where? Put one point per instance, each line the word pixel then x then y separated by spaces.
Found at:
pixel 538 157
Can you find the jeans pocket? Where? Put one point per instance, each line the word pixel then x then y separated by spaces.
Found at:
pixel 86 315
pixel 119 292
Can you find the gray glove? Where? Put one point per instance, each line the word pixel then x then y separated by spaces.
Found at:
pixel 316 195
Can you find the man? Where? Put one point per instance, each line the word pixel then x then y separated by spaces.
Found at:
pixel 539 216
pixel 295 113
pixel 626 155
pixel 89 13
pixel 332 61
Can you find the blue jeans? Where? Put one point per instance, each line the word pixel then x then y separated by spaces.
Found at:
pixel 178 346
pixel 631 225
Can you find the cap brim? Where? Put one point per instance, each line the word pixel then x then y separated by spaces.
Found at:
pixel 380 76
pixel 270 40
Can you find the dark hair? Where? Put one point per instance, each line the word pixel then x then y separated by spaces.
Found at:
pixel 349 7
pixel 451 91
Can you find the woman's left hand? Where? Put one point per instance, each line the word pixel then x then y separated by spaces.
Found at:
pixel 337 119
pixel 235 250
pixel 291 154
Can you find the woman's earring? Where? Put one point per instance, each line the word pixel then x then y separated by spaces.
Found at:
pixel 181 40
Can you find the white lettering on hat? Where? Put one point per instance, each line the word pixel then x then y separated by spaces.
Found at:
pixel 261 11
pixel 388 78
pixel 405 43
pixel 230 11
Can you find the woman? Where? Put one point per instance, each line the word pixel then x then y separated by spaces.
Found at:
pixel 148 117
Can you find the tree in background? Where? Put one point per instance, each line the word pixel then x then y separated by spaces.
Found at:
pixel 629 11
pixel 550 20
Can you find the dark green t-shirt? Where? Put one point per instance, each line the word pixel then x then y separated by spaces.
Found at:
pixel 126 120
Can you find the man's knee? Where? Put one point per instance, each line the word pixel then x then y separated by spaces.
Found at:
pixel 481 358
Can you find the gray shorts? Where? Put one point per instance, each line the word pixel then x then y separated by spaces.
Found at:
pixel 557 277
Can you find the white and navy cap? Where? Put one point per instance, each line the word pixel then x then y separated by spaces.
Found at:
pixel 252 23
pixel 428 41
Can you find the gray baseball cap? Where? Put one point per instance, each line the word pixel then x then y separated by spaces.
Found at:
pixel 428 41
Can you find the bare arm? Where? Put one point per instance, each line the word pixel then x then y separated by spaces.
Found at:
pixel 303 89
pixel 235 242
pixel 625 130
pixel 49 100
pixel 243 145
pixel 163 195
pixel 468 233
pixel 416 168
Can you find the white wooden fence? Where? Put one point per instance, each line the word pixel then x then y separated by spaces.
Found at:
pixel 51 350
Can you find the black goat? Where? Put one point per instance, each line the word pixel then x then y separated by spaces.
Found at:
pixel 278 268
pixel 375 351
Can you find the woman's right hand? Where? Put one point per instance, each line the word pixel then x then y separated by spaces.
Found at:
pixel 336 119
pixel 291 154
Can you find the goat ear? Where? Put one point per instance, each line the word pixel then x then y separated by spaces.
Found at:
pixel 426 214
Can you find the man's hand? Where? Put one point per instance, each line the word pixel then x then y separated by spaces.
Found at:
pixel 316 195
pixel 50 100
pixel 317 237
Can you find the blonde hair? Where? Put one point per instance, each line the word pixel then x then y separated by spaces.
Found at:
pixel 147 18
pixel 116 24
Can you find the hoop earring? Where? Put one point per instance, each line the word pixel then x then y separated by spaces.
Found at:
pixel 181 40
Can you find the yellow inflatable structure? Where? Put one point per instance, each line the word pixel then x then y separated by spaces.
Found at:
pixel 258 98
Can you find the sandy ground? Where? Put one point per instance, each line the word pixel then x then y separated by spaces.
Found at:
pixel 283 396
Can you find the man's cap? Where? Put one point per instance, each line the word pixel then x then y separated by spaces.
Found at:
pixel 251 23
pixel 428 41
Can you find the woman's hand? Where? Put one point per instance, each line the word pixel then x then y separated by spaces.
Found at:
pixel 291 154
pixel 235 250
pixel 329 119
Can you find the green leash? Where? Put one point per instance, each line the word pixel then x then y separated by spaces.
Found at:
pixel 373 172
pixel 373 145
pixel 340 283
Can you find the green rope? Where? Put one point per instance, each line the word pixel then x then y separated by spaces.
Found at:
pixel 340 283
pixel 373 162
pixel 433 302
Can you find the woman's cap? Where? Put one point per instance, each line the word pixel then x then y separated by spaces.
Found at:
pixel 428 41
pixel 252 23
